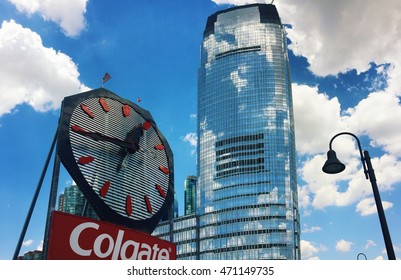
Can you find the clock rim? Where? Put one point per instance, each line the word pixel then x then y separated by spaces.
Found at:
pixel 64 150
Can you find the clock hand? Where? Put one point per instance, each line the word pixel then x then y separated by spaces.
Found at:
pixel 133 137
pixel 130 146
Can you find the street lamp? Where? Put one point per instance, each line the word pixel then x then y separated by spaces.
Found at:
pixel 334 166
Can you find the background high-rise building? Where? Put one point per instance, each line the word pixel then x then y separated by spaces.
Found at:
pixel 190 195
pixel 73 201
pixel 247 190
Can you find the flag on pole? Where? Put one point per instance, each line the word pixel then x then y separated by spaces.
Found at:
pixel 106 77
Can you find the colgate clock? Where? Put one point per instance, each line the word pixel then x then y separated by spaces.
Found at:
pixel 119 159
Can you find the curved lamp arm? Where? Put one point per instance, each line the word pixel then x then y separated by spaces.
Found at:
pixel 365 170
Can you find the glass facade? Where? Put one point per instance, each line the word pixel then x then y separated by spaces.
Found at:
pixel 190 195
pixel 246 191
pixel 184 232
pixel 73 201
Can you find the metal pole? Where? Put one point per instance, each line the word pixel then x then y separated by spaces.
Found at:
pixel 34 199
pixel 52 203
pixel 380 210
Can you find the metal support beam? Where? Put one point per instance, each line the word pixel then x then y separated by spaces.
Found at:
pixel 52 203
pixel 34 199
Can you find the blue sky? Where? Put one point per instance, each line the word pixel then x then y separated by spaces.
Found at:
pixel 346 77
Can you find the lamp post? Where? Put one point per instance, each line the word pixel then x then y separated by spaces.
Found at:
pixel 333 166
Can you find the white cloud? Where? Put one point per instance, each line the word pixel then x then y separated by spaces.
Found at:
pixel 332 47
pixel 27 243
pixel 311 229
pixel 303 197
pixel 69 14
pixel 191 138
pixel 371 117
pixel 343 35
pixel 386 169
pixel 369 244
pixel 32 73
pixel 367 206
pixel 312 123
pixel 40 246
pixel 343 245
pixel 308 250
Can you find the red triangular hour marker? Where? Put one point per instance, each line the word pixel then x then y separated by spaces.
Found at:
pixel 161 191
pixel 85 160
pixel 87 110
pixel 105 189
pixel 148 205
pixel 128 205
pixel 164 170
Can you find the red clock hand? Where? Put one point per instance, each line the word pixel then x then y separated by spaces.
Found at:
pixel 130 146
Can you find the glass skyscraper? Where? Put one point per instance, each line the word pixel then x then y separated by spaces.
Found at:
pixel 190 195
pixel 73 201
pixel 247 200
pixel 247 203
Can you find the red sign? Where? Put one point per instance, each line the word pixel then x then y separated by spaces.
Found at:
pixel 79 238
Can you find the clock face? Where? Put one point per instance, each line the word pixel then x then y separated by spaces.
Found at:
pixel 115 153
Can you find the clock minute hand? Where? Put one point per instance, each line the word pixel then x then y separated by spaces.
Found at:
pixel 130 146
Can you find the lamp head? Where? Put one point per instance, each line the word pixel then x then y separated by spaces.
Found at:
pixel 332 164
